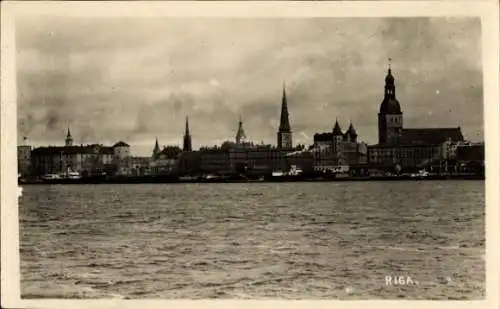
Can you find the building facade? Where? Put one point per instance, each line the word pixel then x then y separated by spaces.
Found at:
pixel 83 159
pixel 121 150
pixel 408 149
pixel 24 160
pixel 215 161
pixel 233 159
pixel 165 162
pixel 334 149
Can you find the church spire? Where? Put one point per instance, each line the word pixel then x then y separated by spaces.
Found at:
pixel 352 132
pixel 337 131
pixel 240 135
pixel 390 88
pixel 156 149
pixel 284 120
pixel 187 146
pixel 284 131
pixel 186 131
pixel 69 139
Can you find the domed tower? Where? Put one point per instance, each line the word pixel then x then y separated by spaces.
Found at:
pixel 390 117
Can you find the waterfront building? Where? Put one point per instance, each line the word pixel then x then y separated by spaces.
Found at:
pixel 469 157
pixel 187 146
pixel 189 163
pixel 140 166
pixel 470 152
pixel 84 159
pixel 214 161
pixel 121 158
pixel 165 161
pixel 231 159
pixel 335 148
pixel 407 148
pixel 24 159
pixel 302 159
pixel 237 156
pixel 267 159
pixel 121 150
pixel 285 134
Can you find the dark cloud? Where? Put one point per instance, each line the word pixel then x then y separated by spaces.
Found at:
pixel 137 79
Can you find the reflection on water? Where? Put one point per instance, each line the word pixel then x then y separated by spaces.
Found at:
pixel 268 240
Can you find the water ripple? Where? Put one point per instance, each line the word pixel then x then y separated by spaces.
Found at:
pixel 292 240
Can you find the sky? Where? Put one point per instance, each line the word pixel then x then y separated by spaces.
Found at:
pixel 137 79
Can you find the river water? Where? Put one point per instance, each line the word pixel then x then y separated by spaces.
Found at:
pixel 259 240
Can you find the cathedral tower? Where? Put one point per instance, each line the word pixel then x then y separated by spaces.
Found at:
pixel 284 131
pixel 69 139
pixel 187 138
pixel 390 117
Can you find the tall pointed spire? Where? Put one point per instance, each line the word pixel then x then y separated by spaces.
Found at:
pixel 187 146
pixel 186 131
pixel 284 91
pixel 284 130
pixel 69 139
pixel 284 119
pixel 156 149
pixel 337 131
pixel 351 132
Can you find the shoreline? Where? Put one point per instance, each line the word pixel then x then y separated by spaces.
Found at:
pixel 174 180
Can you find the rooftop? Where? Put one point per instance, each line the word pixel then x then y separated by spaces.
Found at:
pixel 88 149
pixel 121 144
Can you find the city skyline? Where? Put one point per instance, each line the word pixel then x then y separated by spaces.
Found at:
pixel 213 73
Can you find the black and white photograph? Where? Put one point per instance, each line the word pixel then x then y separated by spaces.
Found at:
pixel 251 157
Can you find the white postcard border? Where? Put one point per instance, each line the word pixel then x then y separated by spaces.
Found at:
pixel 10 262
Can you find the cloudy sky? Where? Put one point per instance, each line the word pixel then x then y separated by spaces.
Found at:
pixel 137 79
